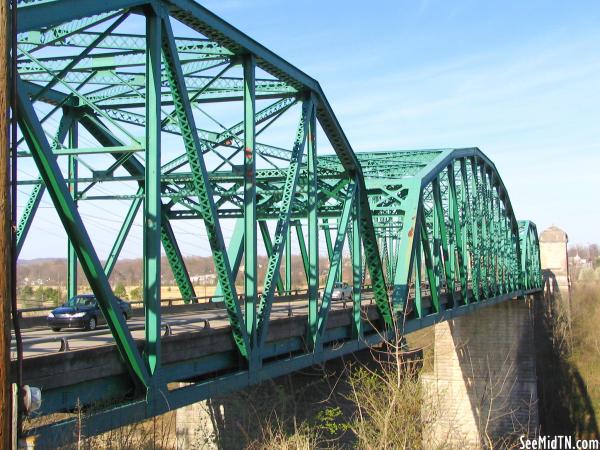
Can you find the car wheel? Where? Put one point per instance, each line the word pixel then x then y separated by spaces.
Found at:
pixel 91 325
pixel 55 329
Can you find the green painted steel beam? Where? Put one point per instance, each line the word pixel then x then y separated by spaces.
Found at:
pixel 37 192
pixel 115 251
pixel 235 251
pixel 28 214
pixel 302 248
pixel 357 276
pixel 151 228
pixel 313 227
pixel 93 150
pixel 404 259
pixel 203 189
pixel 65 207
pixel 334 266
pixel 264 231
pixel 250 231
pixel 52 13
pixel 73 188
pixel 176 261
pixel 283 223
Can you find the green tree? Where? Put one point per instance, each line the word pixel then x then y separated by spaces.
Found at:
pixel 120 291
pixel 27 291
pixel 47 294
pixel 135 294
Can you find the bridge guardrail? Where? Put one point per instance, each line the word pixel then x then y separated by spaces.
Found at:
pixel 64 345
pixel 295 294
pixel 166 325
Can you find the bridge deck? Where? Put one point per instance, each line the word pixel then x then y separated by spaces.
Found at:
pixel 97 373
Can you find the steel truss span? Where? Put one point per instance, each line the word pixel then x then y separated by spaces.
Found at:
pixel 166 110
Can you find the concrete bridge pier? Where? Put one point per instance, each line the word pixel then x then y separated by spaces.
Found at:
pixel 483 390
pixel 555 266
pixel 197 427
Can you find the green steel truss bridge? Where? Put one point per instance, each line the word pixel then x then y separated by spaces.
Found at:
pixel 184 118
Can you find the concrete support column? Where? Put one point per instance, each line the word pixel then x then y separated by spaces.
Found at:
pixel 197 426
pixel 483 390
pixel 555 267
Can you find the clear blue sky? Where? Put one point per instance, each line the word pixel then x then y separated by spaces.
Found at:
pixel 518 79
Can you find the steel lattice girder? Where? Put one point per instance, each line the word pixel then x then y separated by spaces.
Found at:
pixel 426 225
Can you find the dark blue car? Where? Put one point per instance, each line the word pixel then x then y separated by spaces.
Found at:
pixel 82 311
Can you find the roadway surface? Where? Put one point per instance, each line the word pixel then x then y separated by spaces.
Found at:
pixel 41 340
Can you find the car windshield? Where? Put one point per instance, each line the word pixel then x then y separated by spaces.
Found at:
pixel 80 300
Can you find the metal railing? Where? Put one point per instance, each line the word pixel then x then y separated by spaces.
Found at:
pixel 293 294
pixel 64 346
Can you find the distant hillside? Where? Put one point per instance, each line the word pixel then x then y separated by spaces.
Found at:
pixel 53 271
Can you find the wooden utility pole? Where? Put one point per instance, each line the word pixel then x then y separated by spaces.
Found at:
pixel 5 237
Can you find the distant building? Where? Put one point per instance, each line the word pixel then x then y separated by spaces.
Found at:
pixel 204 279
pixel 579 262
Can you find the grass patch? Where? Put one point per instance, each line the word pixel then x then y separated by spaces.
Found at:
pixel 585 354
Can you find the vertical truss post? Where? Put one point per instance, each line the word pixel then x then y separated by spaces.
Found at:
pixel 485 236
pixel 340 275
pixel 418 279
pixel 235 251
pixel 335 263
pixel 511 265
pixel 443 231
pixel 429 264
pixel 467 225
pixel 327 232
pixel 264 231
pixel 473 195
pixel 458 233
pixel 373 258
pixel 500 234
pixel 302 245
pixel 77 234
pixel 437 257
pixel 288 261
pixel 357 329
pixel 404 257
pixel 396 248
pixel 313 228
pixel 385 260
pixel 495 236
pixel 250 234
pixel 509 255
pixel 152 193
pixel 452 253
pixel 72 174
pixel 504 254
pixel 491 245
pixel 283 222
